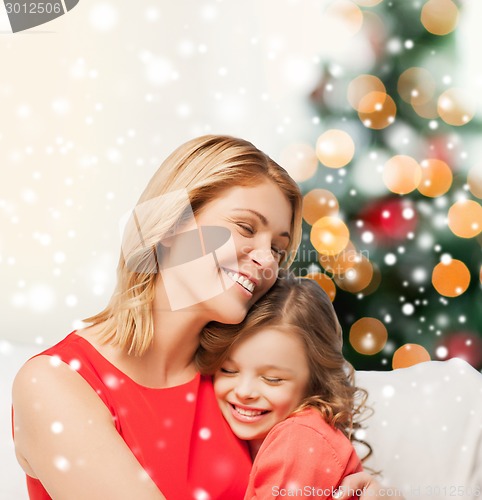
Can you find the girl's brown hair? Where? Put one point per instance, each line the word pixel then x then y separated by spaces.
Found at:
pixel 196 173
pixel 299 306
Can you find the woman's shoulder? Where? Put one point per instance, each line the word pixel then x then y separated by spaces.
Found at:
pixel 40 367
pixel 77 350
pixel 45 388
pixel 52 371
pixel 58 420
pixel 53 376
pixel 68 343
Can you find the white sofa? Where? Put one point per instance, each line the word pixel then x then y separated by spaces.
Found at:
pixel 12 478
pixel 426 429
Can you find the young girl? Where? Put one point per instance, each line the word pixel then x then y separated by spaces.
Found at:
pixel 282 384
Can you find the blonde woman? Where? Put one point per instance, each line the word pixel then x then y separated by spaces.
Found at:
pixel 118 410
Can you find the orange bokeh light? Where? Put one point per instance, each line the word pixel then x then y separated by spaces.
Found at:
pixel 451 278
pixel 325 282
pixel 357 276
pixel 329 235
pixel 368 336
pixel 377 110
pixel 455 107
pixel 427 110
pixel 474 181
pixel 416 86
pixel 362 85
pixel 402 174
pixel 439 17
pixel 436 178
pixel 465 218
pixel 300 161
pixel 335 148
pixel 409 355
pixel 319 203
pixel 375 281
pixel 337 264
pixel 347 13
pixel 367 3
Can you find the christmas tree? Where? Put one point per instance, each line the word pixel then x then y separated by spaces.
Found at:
pixel 392 216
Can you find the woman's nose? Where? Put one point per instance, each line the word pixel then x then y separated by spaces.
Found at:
pixel 262 255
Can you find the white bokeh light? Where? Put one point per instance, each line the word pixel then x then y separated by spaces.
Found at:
pixel 390 259
pixel 158 69
pixel 408 309
pixel 103 16
pixel 41 298
pixel 57 427
pixel 61 463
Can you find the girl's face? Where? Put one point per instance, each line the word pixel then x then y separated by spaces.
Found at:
pixel 263 380
pixel 223 285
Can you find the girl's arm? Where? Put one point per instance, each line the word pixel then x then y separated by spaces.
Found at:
pixel 297 458
pixel 65 436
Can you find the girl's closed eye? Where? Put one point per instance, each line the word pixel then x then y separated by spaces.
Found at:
pixel 272 380
pixel 227 371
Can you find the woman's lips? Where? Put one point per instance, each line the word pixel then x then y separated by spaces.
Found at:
pixel 248 284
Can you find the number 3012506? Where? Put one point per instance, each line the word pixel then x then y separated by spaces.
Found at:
pixel 34 8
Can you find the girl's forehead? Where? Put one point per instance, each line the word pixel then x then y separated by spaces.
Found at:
pixel 268 342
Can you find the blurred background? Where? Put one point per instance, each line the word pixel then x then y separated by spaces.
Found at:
pixel 373 106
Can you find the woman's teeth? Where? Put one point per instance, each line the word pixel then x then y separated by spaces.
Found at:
pixel 242 280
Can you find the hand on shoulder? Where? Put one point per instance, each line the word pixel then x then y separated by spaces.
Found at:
pixel 365 486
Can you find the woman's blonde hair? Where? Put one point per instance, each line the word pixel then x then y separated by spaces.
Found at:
pixel 302 308
pixel 196 173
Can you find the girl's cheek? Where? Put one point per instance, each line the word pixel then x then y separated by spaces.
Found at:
pixel 221 387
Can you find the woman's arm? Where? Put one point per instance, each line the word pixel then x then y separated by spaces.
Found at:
pixel 65 437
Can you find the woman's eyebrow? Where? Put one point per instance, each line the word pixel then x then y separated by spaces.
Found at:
pixel 262 218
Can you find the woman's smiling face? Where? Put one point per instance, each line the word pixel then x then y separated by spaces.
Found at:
pixel 263 380
pixel 227 283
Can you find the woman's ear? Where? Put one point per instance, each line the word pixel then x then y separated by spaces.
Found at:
pixel 192 244
pixel 167 241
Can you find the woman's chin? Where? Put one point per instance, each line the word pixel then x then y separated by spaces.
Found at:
pixel 232 318
pixel 230 313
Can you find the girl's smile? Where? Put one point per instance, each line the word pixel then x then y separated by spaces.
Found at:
pixel 262 382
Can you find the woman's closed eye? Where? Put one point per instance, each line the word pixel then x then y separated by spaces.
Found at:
pixel 246 228
pixel 278 253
